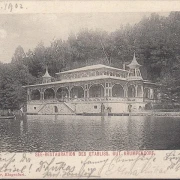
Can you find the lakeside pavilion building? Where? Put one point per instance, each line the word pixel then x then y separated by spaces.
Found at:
pixel 90 89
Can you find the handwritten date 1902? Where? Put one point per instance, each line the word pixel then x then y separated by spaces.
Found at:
pixel 10 7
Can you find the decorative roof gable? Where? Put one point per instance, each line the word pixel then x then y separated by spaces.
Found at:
pixel 134 63
pixel 46 75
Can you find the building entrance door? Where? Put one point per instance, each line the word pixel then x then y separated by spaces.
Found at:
pixel 55 109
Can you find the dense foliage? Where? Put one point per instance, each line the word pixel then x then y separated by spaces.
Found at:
pixel 156 41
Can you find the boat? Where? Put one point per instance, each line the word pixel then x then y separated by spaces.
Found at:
pixel 8 117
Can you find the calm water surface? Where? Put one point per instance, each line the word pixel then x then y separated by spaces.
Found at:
pixel 79 133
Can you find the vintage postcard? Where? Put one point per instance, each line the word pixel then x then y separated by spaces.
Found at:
pixel 89 89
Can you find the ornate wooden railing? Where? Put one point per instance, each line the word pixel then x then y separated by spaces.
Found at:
pixel 92 99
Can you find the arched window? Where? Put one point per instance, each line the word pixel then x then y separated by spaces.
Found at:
pixel 155 94
pixel 117 91
pixel 77 92
pixel 147 93
pixel 62 93
pixel 49 93
pixel 139 91
pixel 131 91
pixel 35 94
pixel 96 90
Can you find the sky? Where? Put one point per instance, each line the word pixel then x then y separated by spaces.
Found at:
pixel 27 30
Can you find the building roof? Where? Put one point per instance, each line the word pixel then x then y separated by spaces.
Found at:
pixel 78 80
pixel 152 83
pixel 97 66
pixel 134 63
pixel 46 75
pixel 88 79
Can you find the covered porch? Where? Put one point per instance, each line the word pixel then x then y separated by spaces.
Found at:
pixel 88 91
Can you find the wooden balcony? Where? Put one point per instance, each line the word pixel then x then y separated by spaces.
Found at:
pixel 92 99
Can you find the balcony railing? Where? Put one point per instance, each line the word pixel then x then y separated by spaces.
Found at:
pixel 135 99
pixel 93 99
pixel 42 101
pixel 152 100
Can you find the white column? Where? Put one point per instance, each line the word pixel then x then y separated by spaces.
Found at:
pixel 69 90
pixel 105 90
pixel 125 92
pixel 110 91
pixel 142 90
pixel 42 95
pixel 28 95
pixel 151 93
pixel 136 93
pixel 87 93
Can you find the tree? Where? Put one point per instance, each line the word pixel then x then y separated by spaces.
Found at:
pixel 19 55
pixel 155 39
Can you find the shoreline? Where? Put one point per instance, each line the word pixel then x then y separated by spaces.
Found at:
pixel 152 113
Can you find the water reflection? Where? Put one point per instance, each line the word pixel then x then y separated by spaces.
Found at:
pixel 75 133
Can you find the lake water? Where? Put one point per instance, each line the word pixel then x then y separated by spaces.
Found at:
pixel 82 133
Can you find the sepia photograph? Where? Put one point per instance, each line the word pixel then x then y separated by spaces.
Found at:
pixel 100 81
pixel 89 81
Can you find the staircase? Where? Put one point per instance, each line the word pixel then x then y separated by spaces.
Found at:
pixel 62 108
pixel 70 108
pixel 41 108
